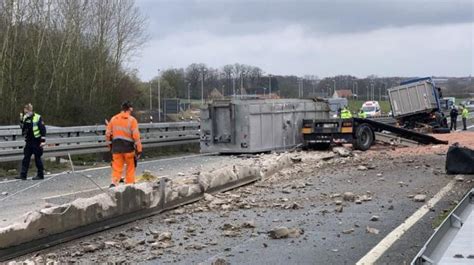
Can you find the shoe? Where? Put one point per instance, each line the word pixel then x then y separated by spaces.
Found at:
pixel 112 186
pixel 38 178
pixel 20 177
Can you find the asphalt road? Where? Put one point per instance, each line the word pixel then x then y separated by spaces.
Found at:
pixel 198 235
pixel 24 196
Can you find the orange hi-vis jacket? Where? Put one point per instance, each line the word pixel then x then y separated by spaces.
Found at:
pixel 122 132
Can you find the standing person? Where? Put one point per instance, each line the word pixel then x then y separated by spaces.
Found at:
pixel 362 114
pixel 464 115
pixel 454 117
pixel 345 113
pixel 32 127
pixel 124 142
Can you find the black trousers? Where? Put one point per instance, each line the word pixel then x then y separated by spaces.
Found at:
pixel 464 123
pixel 453 123
pixel 36 150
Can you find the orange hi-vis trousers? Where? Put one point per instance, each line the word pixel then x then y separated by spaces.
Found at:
pixel 118 164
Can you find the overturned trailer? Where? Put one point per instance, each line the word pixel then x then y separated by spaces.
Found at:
pixel 254 125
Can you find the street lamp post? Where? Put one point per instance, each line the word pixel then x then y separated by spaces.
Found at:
pixel 189 95
pixel 241 83
pixel 202 88
pixel 151 100
pixel 233 85
pixel 159 96
pixel 334 80
pixel 270 85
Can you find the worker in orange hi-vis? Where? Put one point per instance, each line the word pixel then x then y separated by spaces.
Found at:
pixel 123 139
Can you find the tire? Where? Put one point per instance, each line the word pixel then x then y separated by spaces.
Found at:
pixel 364 137
pixel 320 146
pixel 441 130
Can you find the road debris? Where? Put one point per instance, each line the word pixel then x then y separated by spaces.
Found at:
pixel 371 230
pixel 419 198
pixel 284 232
pixel 342 151
pixel 374 218
pixel 348 196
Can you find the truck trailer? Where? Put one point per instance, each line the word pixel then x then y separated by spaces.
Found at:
pixel 416 103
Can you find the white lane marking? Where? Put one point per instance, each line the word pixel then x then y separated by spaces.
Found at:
pixel 376 252
pixel 105 167
pixel 73 193
pixel 468 127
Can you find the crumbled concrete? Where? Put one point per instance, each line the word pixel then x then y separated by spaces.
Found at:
pixel 342 151
pixel 419 198
pixel 348 196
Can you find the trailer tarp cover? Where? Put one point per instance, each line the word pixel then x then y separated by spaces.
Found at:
pixel 460 160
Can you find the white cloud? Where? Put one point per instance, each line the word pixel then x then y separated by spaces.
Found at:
pixel 404 51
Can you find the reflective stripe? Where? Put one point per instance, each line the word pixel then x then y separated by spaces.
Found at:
pixel 36 130
pixel 121 128
pixel 128 139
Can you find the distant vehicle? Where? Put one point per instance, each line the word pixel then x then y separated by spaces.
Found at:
pixel 335 104
pixel 469 104
pixel 372 108
pixel 447 103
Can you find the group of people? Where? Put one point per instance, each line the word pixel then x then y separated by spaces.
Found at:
pixel 454 113
pixel 122 135
pixel 345 113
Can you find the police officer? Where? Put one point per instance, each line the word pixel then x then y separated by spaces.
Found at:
pixel 345 113
pixel 362 114
pixel 464 115
pixel 454 117
pixel 34 131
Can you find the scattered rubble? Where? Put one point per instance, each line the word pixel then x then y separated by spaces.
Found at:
pixel 220 261
pixel 348 196
pixel 284 232
pixel 419 198
pixel 371 230
pixel 458 178
pixel 342 151
pixel 374 218
pixel 348 231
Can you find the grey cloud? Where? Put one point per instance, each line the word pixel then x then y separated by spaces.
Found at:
pixel 323 17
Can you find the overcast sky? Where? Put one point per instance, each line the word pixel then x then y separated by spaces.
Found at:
pixel 323 38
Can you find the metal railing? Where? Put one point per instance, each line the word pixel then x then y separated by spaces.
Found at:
pixel 91 139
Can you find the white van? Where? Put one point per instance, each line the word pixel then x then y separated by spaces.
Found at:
pixel 371 108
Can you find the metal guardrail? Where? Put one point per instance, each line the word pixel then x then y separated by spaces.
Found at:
pixel 91 139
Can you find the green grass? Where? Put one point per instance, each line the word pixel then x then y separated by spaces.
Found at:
pixel 355 105
pixel 440 218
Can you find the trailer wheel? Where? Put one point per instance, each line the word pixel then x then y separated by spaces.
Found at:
pixel 364 137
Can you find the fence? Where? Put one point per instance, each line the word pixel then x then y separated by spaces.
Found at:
pixel 91 139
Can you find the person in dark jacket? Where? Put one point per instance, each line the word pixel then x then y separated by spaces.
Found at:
pixel 454 117
pixel 34 131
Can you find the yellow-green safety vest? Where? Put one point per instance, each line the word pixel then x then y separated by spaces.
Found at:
pixel 362 115
pixel 346 114
pixel 35 120
pixel 465 113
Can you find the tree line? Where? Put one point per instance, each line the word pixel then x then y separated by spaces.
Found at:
pixel 66 57
pixel 198 80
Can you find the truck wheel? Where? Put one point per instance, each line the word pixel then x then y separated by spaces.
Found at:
pixel 364 137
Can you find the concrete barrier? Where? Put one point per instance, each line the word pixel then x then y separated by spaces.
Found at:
pixel 129 199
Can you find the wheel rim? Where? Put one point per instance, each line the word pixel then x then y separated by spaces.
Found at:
pixel 364 137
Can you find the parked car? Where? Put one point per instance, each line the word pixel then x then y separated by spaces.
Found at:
pixel 371 108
